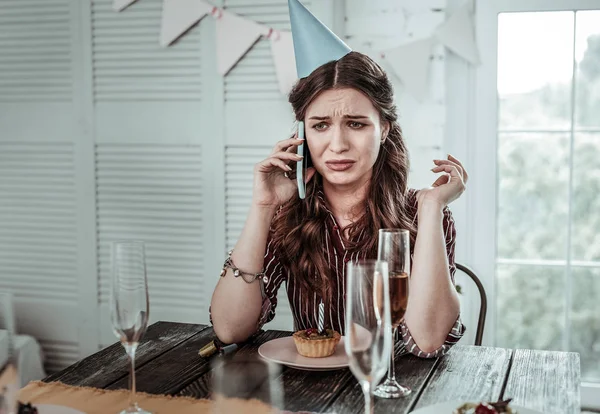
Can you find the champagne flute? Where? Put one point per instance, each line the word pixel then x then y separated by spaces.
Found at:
pixel 9 375
pixel 368 340
pixel 394 247
pixel 129 303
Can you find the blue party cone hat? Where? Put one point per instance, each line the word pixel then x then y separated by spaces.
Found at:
pixel 314 43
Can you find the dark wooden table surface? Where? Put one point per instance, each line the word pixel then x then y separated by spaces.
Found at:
pixel 168 363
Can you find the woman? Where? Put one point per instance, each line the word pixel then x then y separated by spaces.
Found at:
pixel 357 186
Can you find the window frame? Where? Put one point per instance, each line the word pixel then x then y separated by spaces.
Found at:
pixel 483 147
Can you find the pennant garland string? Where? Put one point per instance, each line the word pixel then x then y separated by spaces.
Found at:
pixel 236 35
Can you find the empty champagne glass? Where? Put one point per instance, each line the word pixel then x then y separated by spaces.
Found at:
pixel 237 379
pixel 394 248
pixel 9 375
pixel 368 340
pixel 129 303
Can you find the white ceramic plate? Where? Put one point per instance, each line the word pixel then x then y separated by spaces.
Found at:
pixel 449 406
pixel 56 409
pixel 283 351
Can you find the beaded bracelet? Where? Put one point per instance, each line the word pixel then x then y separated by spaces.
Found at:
pixel 247 277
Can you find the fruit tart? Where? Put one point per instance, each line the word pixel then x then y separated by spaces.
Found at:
pixel 314 344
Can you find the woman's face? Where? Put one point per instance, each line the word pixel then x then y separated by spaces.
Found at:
pixel 344 133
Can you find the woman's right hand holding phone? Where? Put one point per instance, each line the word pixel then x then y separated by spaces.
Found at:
pixel 235 321
pixel 272 187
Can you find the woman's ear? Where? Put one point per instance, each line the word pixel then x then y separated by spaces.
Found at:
pixel 385 131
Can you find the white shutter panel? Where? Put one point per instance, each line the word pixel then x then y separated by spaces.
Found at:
pixel 130 64
pixel 38 249
pixel 151 193
pixel 149 157
pixel 59 354
pixel 38 203
pixel 35 45
pixel 253 78
pixel 255 111
pixel 239 175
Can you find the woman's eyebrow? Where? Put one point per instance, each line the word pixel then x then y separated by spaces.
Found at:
pixel 349 116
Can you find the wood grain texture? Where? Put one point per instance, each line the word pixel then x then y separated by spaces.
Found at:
pixel 468 373
pixel 411 372
pixel 313 391
pixel 173 370
pixel 111 364
pixel 201 386
pixel 168 363
pixel 547 381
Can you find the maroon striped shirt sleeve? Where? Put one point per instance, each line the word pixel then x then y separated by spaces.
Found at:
pixel 458 329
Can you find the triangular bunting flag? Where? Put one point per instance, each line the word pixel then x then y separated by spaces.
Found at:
pixel 458 34
pixel 178 16
pixel 119 5
pixel 282 49
pixel 235 35
pixel 411 64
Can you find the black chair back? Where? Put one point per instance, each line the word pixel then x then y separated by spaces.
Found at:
pixel 483 307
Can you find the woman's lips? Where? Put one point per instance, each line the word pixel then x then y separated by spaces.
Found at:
pixel 341 165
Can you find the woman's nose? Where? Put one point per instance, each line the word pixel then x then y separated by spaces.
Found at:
pixel 339 142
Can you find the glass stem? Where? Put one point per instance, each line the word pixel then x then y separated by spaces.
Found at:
pixel 392 367
pixel 369 409
pixel 131 348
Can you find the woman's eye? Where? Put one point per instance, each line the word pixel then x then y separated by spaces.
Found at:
pixel 356 125
pixel 320 126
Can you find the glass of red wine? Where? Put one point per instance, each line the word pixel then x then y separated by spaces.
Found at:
pixel 394 248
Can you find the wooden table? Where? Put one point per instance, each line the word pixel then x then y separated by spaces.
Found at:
pixel 168 363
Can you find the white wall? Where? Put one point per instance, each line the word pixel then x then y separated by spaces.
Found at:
pixel 104 135
pixel 457 138
pixel 439 125
pixel 373 26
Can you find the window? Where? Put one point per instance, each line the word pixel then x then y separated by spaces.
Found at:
pixel 536 170
pixel 548 237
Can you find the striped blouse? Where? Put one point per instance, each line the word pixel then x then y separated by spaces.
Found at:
pixel 307 316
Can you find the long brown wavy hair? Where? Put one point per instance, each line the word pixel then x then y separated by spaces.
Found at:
pixel 298 228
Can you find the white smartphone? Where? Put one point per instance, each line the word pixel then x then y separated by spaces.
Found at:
pixel 304 164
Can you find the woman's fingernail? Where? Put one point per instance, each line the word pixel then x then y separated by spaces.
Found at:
pixel 289 168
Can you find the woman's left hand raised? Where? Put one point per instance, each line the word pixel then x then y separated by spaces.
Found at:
pixel 447 187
